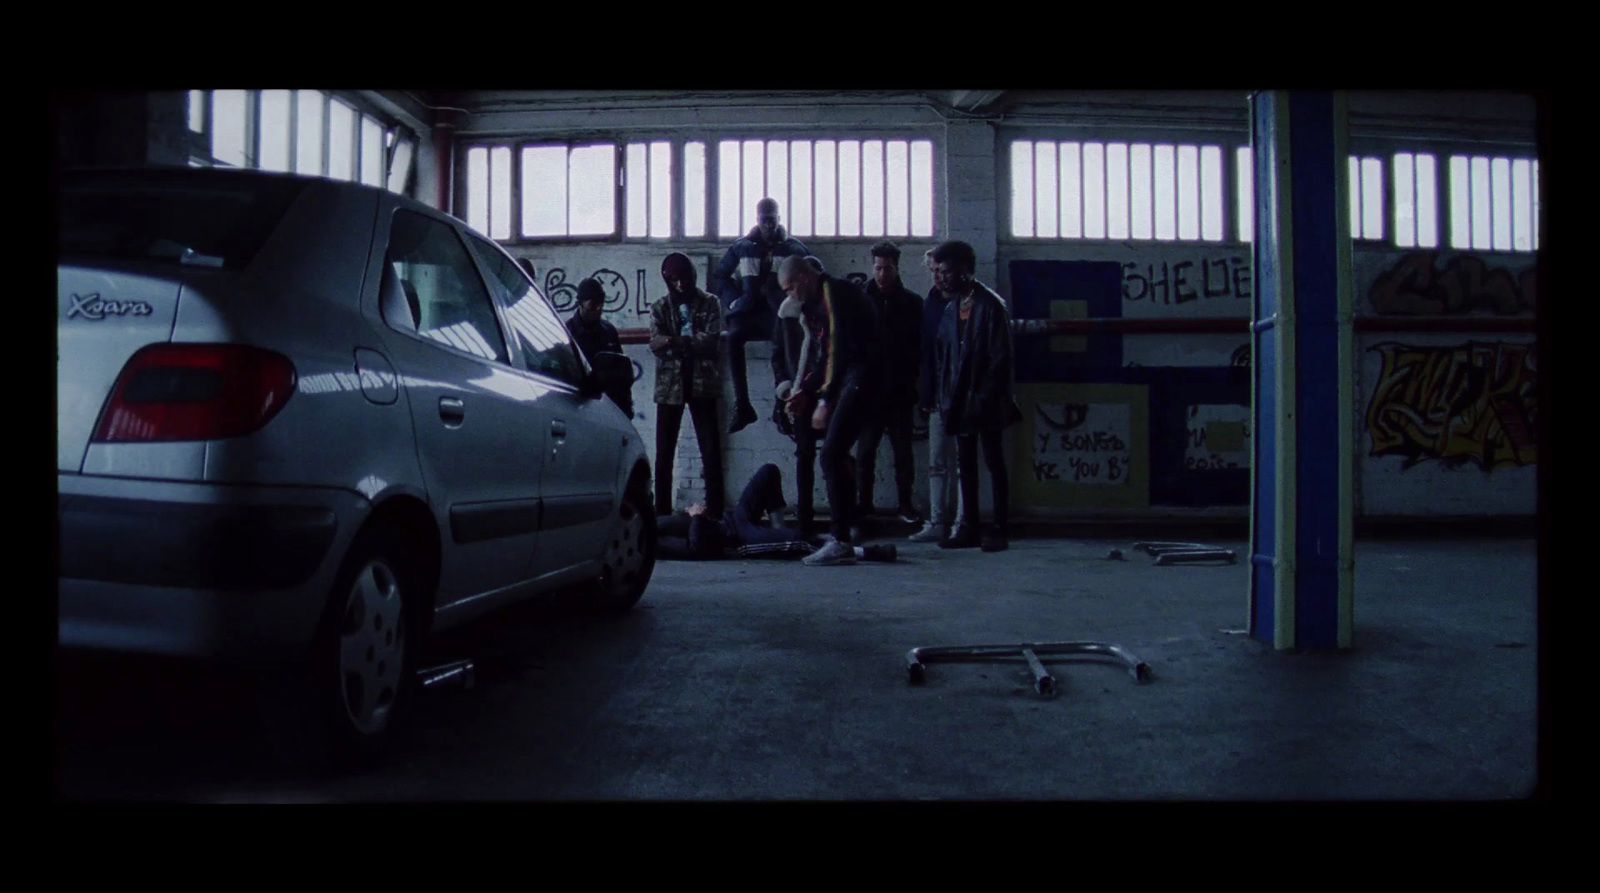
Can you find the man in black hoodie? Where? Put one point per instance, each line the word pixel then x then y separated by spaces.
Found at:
pixel 900 312
pixel 747 282
pixel 594 335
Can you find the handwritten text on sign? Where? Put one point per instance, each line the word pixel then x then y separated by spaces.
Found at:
pixel 1082 443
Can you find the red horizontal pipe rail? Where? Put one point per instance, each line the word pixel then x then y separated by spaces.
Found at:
pixel 1209 325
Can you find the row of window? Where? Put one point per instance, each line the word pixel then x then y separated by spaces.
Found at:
pixel 298 131
pixel 868 188
pixel 1166 192
pixel 873 188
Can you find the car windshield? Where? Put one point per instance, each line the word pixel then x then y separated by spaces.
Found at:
pixel 188 217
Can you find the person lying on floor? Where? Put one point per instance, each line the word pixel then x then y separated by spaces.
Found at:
pixel 745 530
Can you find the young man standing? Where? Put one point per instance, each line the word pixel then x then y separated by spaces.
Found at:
pixel 685 326
pixel 747 280
pixel 900 312
pixel 973 368
pixel 846 327
pixel 944 496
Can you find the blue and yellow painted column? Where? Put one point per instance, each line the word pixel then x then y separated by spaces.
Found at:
pixel 1302 490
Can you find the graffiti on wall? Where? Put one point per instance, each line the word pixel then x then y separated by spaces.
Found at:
pixel 1188 280
pixel 1471 403
pixel 1216 437
pixel 563 293
pixel 1416 284
pixel 1082 443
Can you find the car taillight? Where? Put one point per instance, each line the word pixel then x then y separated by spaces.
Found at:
pixel 195 392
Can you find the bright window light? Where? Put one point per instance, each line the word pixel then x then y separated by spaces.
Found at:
pixel 1247 193
pixel 694 189
pixel 1211 193
pixel 826 171
pixel 1139 223
pixel 660 190
pixel 499 193
pixel 637 165
pixel 544 191
pixel 1046 190
pixel 849 187
pixel 897 189
pixel 372 154
pixel 872 188
pixel 309 107
pixel 922 188
pixel 478 189
pixel 274 130
pixel 800 188
pixel 341 141
pixel 1022 188
pixel 1071 155
pixel 728 188
pixel 1166 192
pixel 1117 224
pixel 228 128
pixel 592 197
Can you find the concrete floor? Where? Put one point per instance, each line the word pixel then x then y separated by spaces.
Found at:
pixel 770 680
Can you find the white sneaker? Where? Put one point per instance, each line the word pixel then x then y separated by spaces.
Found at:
pixel 930 533
pixel 833 552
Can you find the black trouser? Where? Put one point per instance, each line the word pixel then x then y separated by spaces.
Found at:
pixel 740 526
pixel 669 418
pixel 967 461
pixel 896 420
pixel 805 474
pixel 742 330
pixel 844 427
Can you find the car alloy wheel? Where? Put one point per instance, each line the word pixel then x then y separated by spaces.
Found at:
pixel 630 553
pixel 372 644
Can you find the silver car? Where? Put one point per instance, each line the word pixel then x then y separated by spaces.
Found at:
pixel 304 423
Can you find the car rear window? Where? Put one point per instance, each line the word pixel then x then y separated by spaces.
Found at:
pixel 198 218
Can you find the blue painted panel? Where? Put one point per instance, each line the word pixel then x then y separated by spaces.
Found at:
pixel 1316 274
pixel 1034 284
pixel 1264 531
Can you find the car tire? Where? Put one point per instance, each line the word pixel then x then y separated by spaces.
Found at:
pixel 630 557
pixel 361 663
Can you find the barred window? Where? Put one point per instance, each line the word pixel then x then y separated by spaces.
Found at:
pixel 297 131
pixel 1094 190
pixel 851 188
pixel 1494 203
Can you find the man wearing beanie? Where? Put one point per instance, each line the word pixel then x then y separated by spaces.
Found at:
pixel 594 335
pixel 685 328
pixel 747 280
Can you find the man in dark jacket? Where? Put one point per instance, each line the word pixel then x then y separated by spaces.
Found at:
pixel 747 282
pixel 594 335
pixel 900 312
pixel 973 368
pixel 839 316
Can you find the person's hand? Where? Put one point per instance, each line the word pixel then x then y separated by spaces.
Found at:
pixel 819 419
pixel 698 508
pixel 659 342
pixel 795 405
pixel 926 412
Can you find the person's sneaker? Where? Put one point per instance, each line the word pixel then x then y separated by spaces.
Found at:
pixel 962 538
pixel 833 552
pixel 995 542
pixel 885 552
pixel 909 515
pixel 930 533
pixel 742 417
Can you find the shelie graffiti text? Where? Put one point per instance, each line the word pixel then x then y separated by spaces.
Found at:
pixel 1471 403
pixel 1185 281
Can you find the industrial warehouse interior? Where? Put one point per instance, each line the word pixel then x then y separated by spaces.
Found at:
pixel 351 509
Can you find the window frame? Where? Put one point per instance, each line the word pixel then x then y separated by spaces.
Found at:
pixel 393 134
pixel 497 312
pixel 709 205
pixel 1227 141
pixel 503 306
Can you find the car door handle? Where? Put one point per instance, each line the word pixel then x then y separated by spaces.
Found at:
pixel 558 428
pixel 452 410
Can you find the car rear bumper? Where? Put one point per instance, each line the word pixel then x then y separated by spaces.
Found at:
pixel 196 570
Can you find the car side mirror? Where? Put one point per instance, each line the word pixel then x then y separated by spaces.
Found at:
pixel 613 372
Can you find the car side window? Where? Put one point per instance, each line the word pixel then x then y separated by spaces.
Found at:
pixel 546 345
pixel 444 295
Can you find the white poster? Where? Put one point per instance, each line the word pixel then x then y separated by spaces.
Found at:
pixel 1082 443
